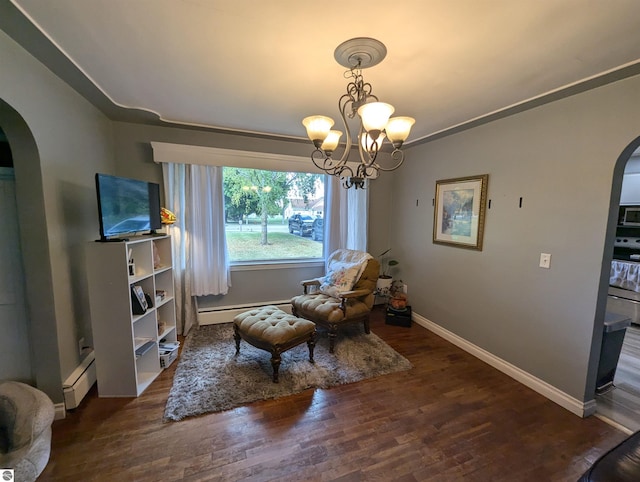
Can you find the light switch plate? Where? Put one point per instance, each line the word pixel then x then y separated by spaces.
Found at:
pixel 545 260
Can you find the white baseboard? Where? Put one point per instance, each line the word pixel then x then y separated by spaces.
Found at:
pixel 225 314
pixel 78 384
pixel 575 406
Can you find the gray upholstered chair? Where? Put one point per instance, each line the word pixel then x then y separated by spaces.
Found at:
pixel 26 415
pixel 332 308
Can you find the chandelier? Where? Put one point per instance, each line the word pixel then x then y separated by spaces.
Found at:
pixel 374 121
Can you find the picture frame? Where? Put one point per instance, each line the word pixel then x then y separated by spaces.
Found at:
pixel 138 300
pixel 459 211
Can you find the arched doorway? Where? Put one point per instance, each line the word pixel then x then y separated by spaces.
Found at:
pixel 15 350
pixel 621 403
pixel 30 200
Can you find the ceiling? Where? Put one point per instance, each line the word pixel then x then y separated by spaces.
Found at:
pixel 261 66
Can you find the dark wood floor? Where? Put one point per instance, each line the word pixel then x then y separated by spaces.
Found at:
pixel 451 417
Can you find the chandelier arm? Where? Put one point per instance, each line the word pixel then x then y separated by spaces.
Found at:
pixel 398 156
pixel 366 157
pixel 327 164
pixel 345 171
pixel 344 101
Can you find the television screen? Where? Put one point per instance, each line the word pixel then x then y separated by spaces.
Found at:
pixel 154 206
pixel 126 206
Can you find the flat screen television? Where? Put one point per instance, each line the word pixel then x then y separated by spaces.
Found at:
pixel 127 206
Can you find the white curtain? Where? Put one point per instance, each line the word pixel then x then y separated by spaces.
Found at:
pixel 194 195
pixel 346 217
pixel 358 216
pixel 210 267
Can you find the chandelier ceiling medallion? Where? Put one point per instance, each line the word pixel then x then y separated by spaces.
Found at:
pixel 373 119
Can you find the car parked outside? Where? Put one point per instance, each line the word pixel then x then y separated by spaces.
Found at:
pixel 130 225
pixel 301 223
pixel 317 232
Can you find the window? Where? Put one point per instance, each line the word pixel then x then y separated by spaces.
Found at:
pixel 273 215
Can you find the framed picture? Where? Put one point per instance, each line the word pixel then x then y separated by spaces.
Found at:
pixel 138 300
pixel 459 213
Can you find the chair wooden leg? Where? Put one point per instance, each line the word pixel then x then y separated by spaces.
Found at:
pixel 367 330
pixel 237 338
pixel 333 334
pixel 311 343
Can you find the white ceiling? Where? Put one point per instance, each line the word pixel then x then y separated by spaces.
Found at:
pixel 261 66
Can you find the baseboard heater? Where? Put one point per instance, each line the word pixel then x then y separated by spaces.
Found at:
pixel 80 381
pixel 225 314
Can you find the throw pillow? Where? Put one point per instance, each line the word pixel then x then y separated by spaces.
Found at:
pixel 341 278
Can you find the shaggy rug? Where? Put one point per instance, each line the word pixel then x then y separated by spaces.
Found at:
pixel 211 378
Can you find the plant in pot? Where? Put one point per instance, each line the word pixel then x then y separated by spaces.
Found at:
pixel 385 279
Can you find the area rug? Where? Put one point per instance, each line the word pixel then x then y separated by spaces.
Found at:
pixel 210 377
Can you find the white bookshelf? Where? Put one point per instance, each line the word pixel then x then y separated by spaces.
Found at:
pixel 126 344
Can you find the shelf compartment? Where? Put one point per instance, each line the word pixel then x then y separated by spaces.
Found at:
pixel 144 348
pixel 162 253
pixel 167 333
pixel 167 322
pixel 141 254
pixel 164 282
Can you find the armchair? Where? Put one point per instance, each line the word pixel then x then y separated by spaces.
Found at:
pixel 344 295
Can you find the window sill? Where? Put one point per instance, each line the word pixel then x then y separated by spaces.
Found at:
pixel 276 264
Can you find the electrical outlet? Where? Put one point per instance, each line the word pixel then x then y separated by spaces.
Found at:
pixel 405 289
pixel 80 345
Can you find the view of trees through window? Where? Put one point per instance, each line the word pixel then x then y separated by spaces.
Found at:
pixel 272 215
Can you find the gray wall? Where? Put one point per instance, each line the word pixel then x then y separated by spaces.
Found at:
pixel 560 159
pixel 59 141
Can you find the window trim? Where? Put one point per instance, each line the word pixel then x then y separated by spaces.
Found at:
pixel 276 264
pixel 216 156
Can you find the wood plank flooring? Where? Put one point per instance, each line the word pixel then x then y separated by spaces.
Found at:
pixel 622 403
pixel 451 417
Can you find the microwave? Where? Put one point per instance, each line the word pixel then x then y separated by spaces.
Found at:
pixel 631 216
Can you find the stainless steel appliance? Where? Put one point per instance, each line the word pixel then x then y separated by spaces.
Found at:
pixel 626 248
pixel 624 302
pixel 630 215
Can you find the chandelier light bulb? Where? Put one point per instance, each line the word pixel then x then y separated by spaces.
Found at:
pixel 367 142
pixel 398 129
pixel 375 115
pixel 331 142
pixel 318 127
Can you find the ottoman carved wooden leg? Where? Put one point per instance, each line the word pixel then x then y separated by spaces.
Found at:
pixel 275 364
pixel 271 329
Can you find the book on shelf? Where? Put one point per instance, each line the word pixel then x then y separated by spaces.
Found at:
pixel 141 350
pixel 169 345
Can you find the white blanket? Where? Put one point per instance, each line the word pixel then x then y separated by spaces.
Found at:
pixel 345 268
pixel 625 274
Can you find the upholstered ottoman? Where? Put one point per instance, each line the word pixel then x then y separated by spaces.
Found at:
pixel 271 329
pixel 26 415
